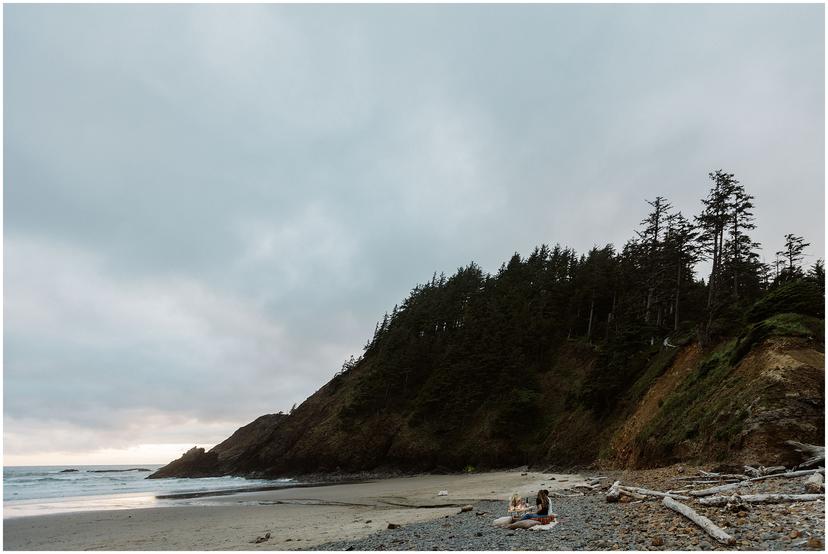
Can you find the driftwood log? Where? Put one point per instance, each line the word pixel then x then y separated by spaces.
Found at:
pixel 720 488
pixel 708 526
pixel 632 494
pixel 790 474
pixel 561 495
pixel 614 492
pixel 648 492
pixel 815 484
pixel 761 499
pixel 762 470
pixel 816 454
pixel 713 477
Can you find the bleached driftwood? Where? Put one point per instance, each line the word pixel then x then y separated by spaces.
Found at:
pixel 648 492
pixel 815 483
pixel 805 448
pixel 708 526
pixel 587 487
pixel 762 470
pixel 559 495
pixel 739 476
pixel 720 488
pixel 614 492
pixel 816 453
pixel 720 482
pixel 752 471
pixel 713 477
pixel 790 474
pixel 632 494
pixel 761 499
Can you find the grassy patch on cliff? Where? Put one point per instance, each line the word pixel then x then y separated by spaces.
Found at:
pixel 655 369
pixel 709 409
pixel 693 407
pixel 780 325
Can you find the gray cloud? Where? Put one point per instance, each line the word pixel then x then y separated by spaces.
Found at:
pixel 208 207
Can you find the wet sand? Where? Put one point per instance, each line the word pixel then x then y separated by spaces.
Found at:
pixel 295 518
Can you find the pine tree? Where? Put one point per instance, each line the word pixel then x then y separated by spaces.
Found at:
pixel 712 223
pixel 817 273
pixel 794 254
pixel 654 225
pixel 682 253
pixel 741 258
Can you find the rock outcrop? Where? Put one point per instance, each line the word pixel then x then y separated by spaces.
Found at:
pixel 194 463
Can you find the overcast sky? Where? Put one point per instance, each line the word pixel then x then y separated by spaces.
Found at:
pixel 207 208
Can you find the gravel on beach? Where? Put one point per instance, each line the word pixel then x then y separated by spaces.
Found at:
pixel 589 522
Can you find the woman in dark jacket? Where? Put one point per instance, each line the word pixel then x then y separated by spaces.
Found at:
pixel 542 502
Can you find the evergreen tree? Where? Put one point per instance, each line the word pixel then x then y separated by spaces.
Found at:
pixel 650 237
pixel 682 255
pixel 740 257
pixel 793 253
pixel 712 223
pixel 817 273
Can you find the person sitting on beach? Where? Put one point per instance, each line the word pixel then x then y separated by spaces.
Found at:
pixel 517 504
pixel 542 502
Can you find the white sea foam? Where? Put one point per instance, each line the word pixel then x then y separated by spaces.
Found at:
pixel 32 490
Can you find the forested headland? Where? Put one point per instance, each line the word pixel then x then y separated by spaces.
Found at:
pixel 547 360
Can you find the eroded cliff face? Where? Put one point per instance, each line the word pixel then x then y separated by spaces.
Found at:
pixel 735 402
pixel 740 414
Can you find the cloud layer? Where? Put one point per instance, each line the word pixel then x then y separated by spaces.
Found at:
pixel 208 207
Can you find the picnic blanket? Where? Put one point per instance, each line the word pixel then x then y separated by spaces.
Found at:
pixel 547 523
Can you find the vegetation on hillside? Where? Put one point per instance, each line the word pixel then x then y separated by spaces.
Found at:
pixel 493 336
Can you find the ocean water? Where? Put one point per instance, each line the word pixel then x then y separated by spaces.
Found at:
pixel 35 490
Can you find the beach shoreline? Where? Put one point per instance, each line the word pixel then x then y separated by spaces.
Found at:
pixel 296 517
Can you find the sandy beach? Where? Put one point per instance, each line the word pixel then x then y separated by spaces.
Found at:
pixel 296 518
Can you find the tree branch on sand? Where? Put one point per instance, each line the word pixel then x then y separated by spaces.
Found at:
pixel 708 526
pixel 761 499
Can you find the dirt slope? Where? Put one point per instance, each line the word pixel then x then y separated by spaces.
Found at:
pixel 737 414
pixel 624 451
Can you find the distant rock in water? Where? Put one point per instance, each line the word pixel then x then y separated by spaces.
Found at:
pixel 68 471
pixel 117 470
